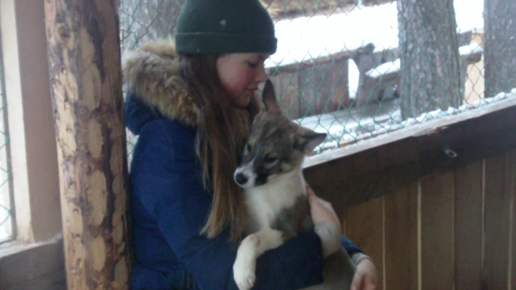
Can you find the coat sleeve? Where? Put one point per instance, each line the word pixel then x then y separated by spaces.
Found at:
pixel 350 247
pixel 180 204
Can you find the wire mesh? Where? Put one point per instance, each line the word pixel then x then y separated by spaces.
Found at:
pixel 356 69
pixel 6 198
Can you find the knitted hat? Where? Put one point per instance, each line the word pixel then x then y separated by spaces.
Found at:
pixel 224 26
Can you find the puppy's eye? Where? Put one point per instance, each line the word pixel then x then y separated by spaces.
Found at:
pixel 269 159
pixel 247 148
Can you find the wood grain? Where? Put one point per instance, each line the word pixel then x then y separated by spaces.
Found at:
pixel 468 226
pixel 498 171
pixel 364 226
pixel 86 89
pixel 401 255
pixel 437 192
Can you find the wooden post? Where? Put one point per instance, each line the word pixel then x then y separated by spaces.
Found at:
pixel 86 89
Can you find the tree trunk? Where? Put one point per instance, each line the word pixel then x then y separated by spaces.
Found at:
pixel 429 56
pixel 86 88
pixel 499 46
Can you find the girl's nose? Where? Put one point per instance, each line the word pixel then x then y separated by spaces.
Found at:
pixel 261 76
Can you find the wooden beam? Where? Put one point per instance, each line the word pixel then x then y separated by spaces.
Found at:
pixel 297 66
pixel 35 266
pixel 29 125
pixel 352 175
pixel 86 90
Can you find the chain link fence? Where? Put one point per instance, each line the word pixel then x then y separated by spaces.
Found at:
pixel 6 197
pixel 356 69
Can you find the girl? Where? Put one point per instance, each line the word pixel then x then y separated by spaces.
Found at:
pixel 191 105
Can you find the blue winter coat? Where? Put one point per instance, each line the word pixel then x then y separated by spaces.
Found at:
pixel 170 205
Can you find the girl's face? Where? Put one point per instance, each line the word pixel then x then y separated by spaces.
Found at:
pixel 240 74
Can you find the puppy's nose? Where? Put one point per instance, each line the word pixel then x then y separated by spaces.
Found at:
pixel 241 179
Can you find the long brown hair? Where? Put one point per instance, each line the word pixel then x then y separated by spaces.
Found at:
pixel 221 135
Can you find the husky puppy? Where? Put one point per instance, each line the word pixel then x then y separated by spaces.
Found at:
pixel 277 207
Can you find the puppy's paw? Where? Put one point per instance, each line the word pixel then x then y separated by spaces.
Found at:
pixel 244 273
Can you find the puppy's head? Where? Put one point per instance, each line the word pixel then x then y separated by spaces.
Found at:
pixel 276 145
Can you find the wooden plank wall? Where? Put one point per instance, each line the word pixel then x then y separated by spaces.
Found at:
pixel 447 231
pixel 319 89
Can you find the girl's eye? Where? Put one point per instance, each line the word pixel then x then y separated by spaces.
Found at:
pixel 252 64
pixel 270 159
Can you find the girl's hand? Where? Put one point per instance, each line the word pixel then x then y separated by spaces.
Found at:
pixel 365 277
pixel 321 210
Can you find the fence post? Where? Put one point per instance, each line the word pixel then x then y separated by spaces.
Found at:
pixel 85 79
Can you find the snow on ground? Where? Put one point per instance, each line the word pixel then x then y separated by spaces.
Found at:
pixel 305 38
pixel 386 68
pixel 470 48
pixel 394 66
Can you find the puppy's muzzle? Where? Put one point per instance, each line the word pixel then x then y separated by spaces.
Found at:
pixel 245 177
pixel 241 179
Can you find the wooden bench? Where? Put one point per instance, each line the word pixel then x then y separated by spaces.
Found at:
pixel 382 82
pixel 313 87
pixel 379 70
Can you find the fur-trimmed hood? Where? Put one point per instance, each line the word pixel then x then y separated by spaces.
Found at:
pixel 151 77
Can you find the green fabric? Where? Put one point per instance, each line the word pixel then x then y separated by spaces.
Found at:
pixel 224 26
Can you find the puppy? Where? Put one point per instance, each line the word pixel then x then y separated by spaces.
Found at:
pixel 275 194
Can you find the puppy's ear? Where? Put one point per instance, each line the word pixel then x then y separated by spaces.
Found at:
pixel 307 140
pixel 269 98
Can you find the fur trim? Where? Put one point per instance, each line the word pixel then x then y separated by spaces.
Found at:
pixel 150 72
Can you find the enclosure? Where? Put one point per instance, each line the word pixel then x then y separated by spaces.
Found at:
pixel 418 98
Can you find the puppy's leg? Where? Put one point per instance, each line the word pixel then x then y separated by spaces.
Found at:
pixel 252 247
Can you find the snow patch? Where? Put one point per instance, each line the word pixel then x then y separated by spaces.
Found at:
pixel 344 135
pixel 383 69
pixel 472 48
pixel 306 38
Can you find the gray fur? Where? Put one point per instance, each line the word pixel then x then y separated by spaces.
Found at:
pixel 273 133
pixel 294 220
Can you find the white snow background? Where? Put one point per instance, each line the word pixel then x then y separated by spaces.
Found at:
pixel 304 38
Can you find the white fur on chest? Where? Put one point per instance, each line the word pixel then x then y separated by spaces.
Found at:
pixel 264 203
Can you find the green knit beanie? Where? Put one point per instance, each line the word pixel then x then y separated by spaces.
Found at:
pixel 224 26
